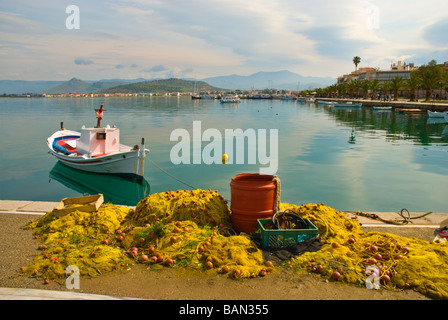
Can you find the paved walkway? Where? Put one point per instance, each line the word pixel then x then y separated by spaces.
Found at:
pixel 401 103
pixel 37 294
pixel 40 208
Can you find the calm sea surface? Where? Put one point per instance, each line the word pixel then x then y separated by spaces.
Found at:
pixel 348 159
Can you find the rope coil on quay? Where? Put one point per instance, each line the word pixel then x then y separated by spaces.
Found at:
pixel 406 219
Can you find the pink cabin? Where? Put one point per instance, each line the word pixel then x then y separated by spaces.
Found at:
pixel 98 141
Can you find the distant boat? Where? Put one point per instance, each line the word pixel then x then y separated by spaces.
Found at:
pixel 230 99
pixel 262 96
pixel 208 97
pixel 382 108
pixel 288 97
pixel 328 103
pixel 408 110
pixel 348 105
pixel 195 95
pixel 435 114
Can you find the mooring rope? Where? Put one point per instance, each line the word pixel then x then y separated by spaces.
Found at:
pixel 277 199
pixel 171 174
pixel 405 220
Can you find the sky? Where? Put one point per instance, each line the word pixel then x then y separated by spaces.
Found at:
pixel 47 40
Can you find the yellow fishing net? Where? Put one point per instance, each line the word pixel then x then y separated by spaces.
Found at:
pixel 204 207
pixel 372 259
pixel 168 229
pixel 187 230
pixel 84 239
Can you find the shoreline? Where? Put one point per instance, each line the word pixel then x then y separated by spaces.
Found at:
pixel 394 104
pixel 433 220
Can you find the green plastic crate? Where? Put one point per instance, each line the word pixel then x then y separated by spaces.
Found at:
pixel 279 238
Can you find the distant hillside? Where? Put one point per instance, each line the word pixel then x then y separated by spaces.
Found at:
pixel 22 86
pixel 261 80
pixel 278 80
pixel 165 85
pixel 72 86
pixel 79 86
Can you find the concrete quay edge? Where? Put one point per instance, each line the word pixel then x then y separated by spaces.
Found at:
pixel 40 294
pixel 433 220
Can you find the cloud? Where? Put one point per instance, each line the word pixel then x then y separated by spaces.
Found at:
pixel 82 62
pixel 17 23
pixel 124 66
pixel 332 42
pixel 436 33
pixel 134 38
pixel 425 56
pixel 157 68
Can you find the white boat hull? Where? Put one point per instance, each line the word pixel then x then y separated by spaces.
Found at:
pixel 433 114
pixel 348 105
pixel 128 161
pixel 327 103
pixel 382 108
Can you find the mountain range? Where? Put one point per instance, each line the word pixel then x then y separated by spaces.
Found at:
pixel 163 85
pixel 79 86
pixel 285 80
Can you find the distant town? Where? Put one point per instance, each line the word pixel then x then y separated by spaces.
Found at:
pixel 403 79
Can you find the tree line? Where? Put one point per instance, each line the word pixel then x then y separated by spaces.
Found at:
pixel 428 78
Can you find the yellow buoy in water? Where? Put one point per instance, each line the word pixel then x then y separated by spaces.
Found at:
pixel 225 158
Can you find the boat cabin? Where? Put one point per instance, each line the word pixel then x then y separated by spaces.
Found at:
pixel 98 141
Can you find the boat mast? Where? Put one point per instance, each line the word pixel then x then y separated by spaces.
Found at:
pixel 99 116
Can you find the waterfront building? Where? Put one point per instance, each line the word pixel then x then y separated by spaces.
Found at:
pixel 399 69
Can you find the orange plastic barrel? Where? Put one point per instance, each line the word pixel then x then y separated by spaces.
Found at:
pixel 252 197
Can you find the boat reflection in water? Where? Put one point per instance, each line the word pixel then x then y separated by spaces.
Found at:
pixel 115 189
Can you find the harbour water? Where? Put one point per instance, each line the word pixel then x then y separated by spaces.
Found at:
pixel 349 159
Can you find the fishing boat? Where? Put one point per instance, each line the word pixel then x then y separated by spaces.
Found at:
pixel 98 150
pixel 327 103
pixel 230 99
pixel 288 97
pixel 382 108
pixel 408 110
pixel 348 105
pixel 436 114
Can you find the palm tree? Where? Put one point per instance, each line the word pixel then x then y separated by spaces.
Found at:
pixel 412 85
pixel 374 85
pixel 350 88
pixel 330 90
pixel 342 89
pixel 445 81
pixel 365 86
pixel 357 87
pixel 356 61
pixel 430 76
pixel 395 85
pixel 385 87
